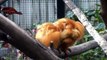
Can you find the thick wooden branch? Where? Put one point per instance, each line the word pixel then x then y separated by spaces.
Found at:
pixel 78 49
pixel 104 10
pixel 22 41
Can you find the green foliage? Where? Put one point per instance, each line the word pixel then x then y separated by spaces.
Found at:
pixel 93 54
pixel 97 22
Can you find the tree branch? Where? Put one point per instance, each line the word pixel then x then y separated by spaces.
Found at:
pixel 22 41
pixel 78 49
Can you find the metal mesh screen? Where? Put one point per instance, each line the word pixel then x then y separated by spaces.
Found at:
pixel 34 11
pixel 39 11
pixel 86 4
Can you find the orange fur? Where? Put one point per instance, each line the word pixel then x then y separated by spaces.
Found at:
pixel 64 30
pixel 46 33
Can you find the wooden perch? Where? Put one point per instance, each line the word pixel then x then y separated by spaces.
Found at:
pixel 78 49
pixel 22 41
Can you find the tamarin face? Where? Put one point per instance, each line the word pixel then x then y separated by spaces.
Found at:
pixel 64 31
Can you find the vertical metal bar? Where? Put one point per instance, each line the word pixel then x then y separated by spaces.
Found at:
pixel 39 11
pixel 60 9
pixel 47 10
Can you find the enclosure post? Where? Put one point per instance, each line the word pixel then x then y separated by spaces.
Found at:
pixel 60 9
pixel 104 11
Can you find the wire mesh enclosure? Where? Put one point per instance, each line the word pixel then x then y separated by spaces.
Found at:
pixel 39 11
pixel 86 4
pixel 33 11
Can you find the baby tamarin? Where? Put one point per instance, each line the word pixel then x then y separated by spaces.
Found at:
pixel 64 33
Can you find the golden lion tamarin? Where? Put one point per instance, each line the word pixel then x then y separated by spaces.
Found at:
pixel 64 32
